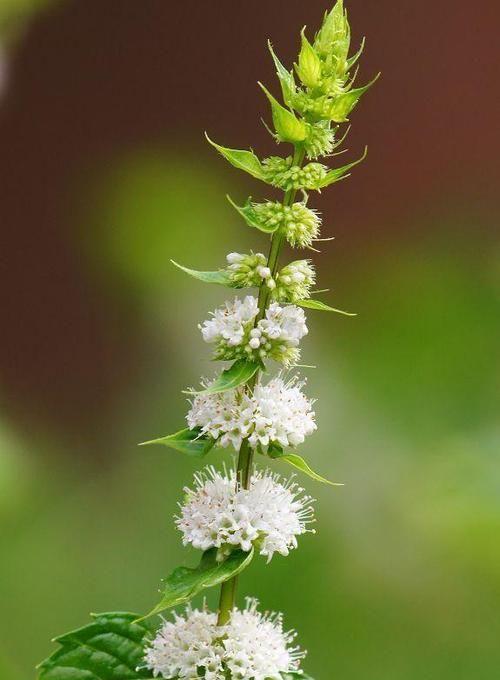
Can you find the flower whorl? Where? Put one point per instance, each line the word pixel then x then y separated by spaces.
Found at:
pixel 282 173
pixel 220 513
pixel 233 330
pixel 277 412
pixel 299 223
pixel 251 646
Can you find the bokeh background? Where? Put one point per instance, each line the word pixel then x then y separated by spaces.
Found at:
pixel 105 175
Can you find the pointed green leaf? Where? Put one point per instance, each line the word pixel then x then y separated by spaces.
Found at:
pixel 234 376
pixel 276 452
pixel 109 648
pixel 221 277
pixel 309 67
pixel 337 174
pixel 288 127
pixel 342 105
pixel 321 306
pixel 250 216
pixel 241 159
pixel 184 583
pixel 190 442
pixel 287 81
pixel 300 464
pixel 352 60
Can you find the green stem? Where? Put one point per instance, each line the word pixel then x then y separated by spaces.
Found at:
pixel 245 457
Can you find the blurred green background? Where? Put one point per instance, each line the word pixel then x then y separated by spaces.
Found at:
pixel 105 176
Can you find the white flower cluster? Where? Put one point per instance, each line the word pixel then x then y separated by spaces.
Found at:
pixel 233 330
pixel 220 513
pixel 247 271
pixel 277 413
pixel 251 646
pixel 294 281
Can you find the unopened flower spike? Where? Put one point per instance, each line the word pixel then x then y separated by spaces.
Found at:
pixel 254 407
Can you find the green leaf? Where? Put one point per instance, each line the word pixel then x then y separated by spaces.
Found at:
pixel 339 173
pixel 343 104
pixel 352 60
pixel 287 81
pixel 190 442
pixel 241 159
pixel 184 583
pixel 221 277
pixel 288 127
pixel 321 306
pixel 234 376
pixel 250 216
pixel 275 451
pixel 109 648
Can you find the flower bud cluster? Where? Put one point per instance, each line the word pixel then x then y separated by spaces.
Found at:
pixel 220 513
pixel 323 67
pixel 320 140
pixel 294 281
pixel 299 223
pixel 276 413
pixel 235 333
pixel 248 271
pixel 324 94
pixel 251 646
pixel 282 173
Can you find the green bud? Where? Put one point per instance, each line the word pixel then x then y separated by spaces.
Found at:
pixel 320 139
pixel 309 66
pixel 282 173
pixel 288 127
pixel 299 223
pixel 247 270
pixel 294 281
pixel 334 37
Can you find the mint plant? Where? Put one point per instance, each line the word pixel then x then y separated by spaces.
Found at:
pixel 231 515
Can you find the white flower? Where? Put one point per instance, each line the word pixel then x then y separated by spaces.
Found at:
pixel 282 415
pixel 251 646
pixel 219 513
pixel 233 330
pixel 229 324
pixel 284 323
pixel 225 416
pixel 278 413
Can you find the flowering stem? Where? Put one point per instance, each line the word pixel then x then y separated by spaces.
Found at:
pixel 245 457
